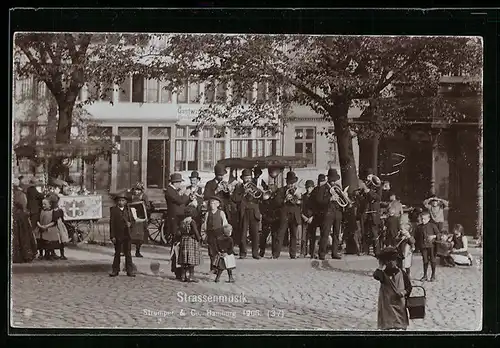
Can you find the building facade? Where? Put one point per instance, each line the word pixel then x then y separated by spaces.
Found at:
pixel 157 135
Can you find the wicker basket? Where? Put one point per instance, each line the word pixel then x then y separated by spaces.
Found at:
pixel 416 304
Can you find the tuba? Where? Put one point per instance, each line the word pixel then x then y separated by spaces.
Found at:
pixel 373 180
pixel 340 196
pixel 253 191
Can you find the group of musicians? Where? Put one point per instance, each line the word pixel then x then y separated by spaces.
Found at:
pixel 256 210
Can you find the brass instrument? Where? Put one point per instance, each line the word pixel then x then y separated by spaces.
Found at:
pixel 340 196
pixel 223 187
pixel 291 196
pixel 253 191
pixel 373 180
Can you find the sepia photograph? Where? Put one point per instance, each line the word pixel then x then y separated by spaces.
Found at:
pixel 246 182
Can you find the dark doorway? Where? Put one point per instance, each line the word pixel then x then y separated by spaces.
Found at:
pixel 158 170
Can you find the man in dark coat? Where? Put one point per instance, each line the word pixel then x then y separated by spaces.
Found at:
pixel 318 215
pixel 369 209
pixel 176 204
pixel 250 216
pixel 197 194
pixel 120 221
pixel 270 221
pixel 289 216
pixel 332 216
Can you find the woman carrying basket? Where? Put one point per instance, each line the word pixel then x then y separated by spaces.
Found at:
pixel 395 286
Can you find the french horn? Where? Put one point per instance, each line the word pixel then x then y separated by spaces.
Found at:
pixel 253 191
pixel 373 180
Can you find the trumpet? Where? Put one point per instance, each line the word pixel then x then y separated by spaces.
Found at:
pixel 373 180
pixel 291 196
pixel 340 196
pixel 253 191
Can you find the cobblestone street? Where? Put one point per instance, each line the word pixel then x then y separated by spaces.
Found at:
pixel 278 294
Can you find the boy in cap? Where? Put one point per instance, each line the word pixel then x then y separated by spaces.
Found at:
pixel 307 217
pixel 212 227
pixel 428 234
pixel 436 207
pixel 120 221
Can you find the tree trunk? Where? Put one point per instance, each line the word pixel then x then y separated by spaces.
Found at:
pixel 368 154
pixel 348 172
pixel 63 134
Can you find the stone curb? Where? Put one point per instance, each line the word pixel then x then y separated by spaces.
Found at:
pixel 60 267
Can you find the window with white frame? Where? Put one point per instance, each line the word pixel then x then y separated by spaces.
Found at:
pixel 305 143
pixel 254 145
pixel 332 152
pixel 215 92
pixel 188 93
pixel 197 151
pixel 31 88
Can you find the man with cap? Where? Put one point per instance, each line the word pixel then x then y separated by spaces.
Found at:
pixel 250 216
pixel 307 217
pixel 176 204
pixel 120 222
pixel 289 216
pixel 332 215
pixel 369 208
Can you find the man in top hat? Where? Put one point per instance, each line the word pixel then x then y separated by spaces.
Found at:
pixel 176 204
pixel 290 216
pixel 332 216
pixel 120 222
pixel 369 208
pixel 250 216
pixel 196 198
pixel 211 186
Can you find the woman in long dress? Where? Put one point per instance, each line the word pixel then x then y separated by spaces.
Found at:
pixel 24 247
pixel 392 313
pixel 139 230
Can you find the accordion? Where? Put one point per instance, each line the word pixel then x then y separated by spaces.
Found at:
pixel 138 210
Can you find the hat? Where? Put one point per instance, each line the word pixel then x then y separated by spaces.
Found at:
pixel 215 198
pixel 15 182
pixel 333 175
pixel 388 254
pixel 257 170
pixel 309 183
pixel 176 177
pixel 119 195
pixel 321 177
pixel 291 177
pixel 220 170
pixel 246 172
pixel 139 186
pixel 195 175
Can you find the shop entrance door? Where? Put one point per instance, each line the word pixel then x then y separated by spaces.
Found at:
pixel 158 170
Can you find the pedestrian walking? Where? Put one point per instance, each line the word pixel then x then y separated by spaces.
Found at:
pixel 225 259
pixel 189 249
pixel 395 286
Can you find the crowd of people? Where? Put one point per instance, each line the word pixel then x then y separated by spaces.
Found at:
pixel 38 222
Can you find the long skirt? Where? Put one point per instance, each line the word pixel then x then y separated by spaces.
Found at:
pixel 24 245
pixel 51 239
pixel 189 251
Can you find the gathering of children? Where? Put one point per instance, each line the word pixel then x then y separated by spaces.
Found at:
pixel 395 260
pixel 186 251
